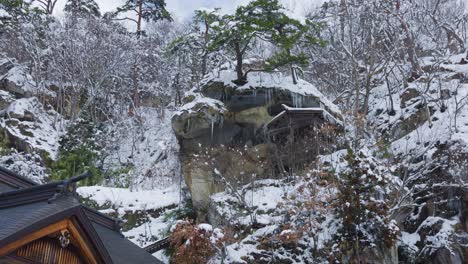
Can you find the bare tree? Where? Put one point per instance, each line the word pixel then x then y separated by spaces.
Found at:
pixel 47 5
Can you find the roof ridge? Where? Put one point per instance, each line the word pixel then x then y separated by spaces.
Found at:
pixel 14 179
pixel 37 193
pixel 33 194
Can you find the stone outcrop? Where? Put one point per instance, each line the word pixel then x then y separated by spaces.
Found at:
pixel 29 127
pixel 221 129
pixel 17 81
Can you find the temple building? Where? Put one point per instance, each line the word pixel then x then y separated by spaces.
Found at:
pixel 47 224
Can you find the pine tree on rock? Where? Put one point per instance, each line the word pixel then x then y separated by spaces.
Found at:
pixel 191 49
pixel 288 34
pixel 82 8
pixel 236 32
pixel 144 10
pixel 263 20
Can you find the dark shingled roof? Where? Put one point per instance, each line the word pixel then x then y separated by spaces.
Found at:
pixel 26 207
pixel 11 181
pixel 5 187
pixel 121 250
pixel 18 220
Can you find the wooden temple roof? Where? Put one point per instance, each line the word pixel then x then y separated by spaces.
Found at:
pixel 26 208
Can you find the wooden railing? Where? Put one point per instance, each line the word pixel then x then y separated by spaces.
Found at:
pixel 158 245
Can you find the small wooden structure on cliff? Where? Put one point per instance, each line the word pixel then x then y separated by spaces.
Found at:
pixel 297 134
pixel 47 224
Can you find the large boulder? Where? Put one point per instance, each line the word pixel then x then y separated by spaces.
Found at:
pixel 5 65
pixel 211 169
pixel 221 129
pixel 18 82
pixel 6 99
pixel 408 95
pixel 407 124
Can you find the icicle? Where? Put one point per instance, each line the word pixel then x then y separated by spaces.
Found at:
pixel 268 95
pixel 221 121
pixel 297 100
pixel 212 127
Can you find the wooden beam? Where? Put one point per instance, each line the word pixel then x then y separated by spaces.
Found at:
pixel 82 243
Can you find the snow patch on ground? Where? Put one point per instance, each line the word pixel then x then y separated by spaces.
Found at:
pixel 126 200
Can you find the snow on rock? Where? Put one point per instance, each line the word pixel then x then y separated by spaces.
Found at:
pixel 270 211
pixel 438 237
pixel 122 199
pixel 275 80
pixel 435 114
pixel 28 165
pixel 33 127
pixel 410 240
pixel 198 102
pixel 154 229
pixel 264 197
pixel 19 82
pixel 146 215
pixel 149 148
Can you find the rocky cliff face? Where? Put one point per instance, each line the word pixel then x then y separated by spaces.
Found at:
pixel 30 128
pixel 427 138
pixel 221 129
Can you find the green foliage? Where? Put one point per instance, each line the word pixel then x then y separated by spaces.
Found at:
pixel 80 150
pixel 120 176
pixel 83 8
pixel 185 212
pixel 383 149
pixel 283 57
pixel 4 143
pixel 264 20
pixel 362 207
pixel 77 161
pixel 15 11
pixel 151 11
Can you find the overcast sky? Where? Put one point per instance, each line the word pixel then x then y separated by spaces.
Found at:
pixel 183 9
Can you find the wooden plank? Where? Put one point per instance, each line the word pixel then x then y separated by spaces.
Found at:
pixel 81 242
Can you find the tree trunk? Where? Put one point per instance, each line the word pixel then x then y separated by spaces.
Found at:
pixel 241 79
pixel 140 15
pixel 204 68
pixel 365 107
pixel 416 70
pixel 136 93
pixel 293 74
pixel 293 71
pixel 391 112
pixel 454 43
pixel 342 18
